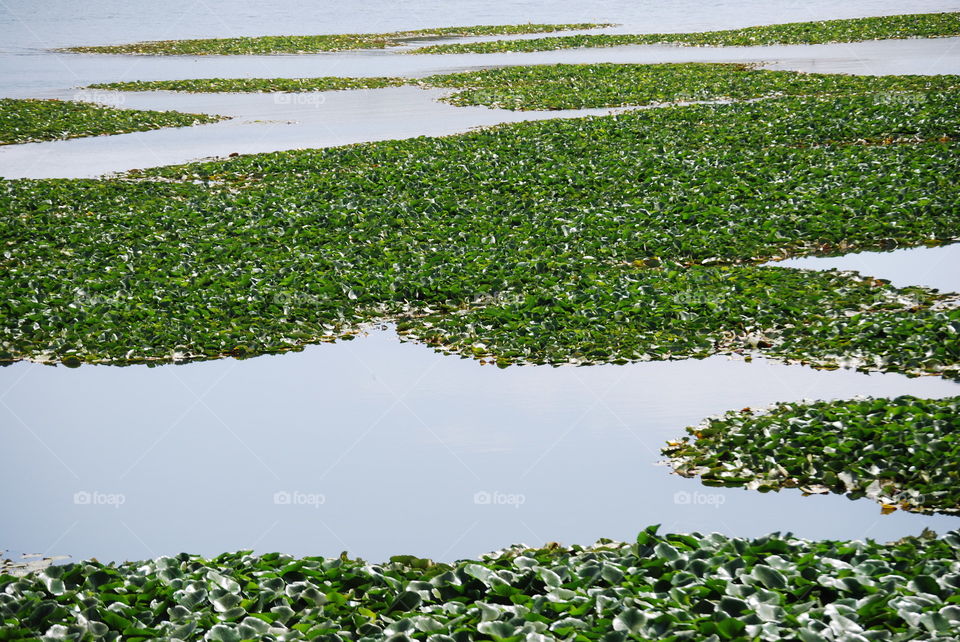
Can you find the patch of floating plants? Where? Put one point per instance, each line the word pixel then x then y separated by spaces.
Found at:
pixel 660 587
pixel 825 319
pixel 254 85
pixel 260 45
pixel 917 25
pixel 901 452
pixel 31 120
pixel 613 85
pixel 580 241
pixel 590 85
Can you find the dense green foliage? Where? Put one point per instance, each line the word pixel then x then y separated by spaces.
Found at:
pixel 614 85
pixel 311 44
pixel 676 313
pixel 599 85
pixel 28 120
pixel 268 252
pixel 920 339
pixel 662 587
pixel 918 25
pixel 902 452
pixel 210 85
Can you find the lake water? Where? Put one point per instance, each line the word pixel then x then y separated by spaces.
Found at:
pixel 932 267
pixel 376 446
pixel 383 447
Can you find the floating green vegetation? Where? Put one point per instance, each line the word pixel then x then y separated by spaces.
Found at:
pixel 661 587
pixel 672 312
pixel 614 85
pixel 581 86
pixel 312 44
pixel 29 120
pixel 901 452
pixel 253 85
pixel 552 223
pixel 920 339
pixel 916 25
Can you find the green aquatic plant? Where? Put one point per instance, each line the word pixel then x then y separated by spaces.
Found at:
pixel 260 45
pixel 615 85
pixel 672 312
pixel 270 252
pixel 253 85
pixel 915 25
pixel 597 85
pixel 660 587
pixel 917 340
pixel 901 452
pixel 31 120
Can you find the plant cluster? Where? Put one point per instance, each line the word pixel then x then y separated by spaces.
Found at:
pixel 901 452
pixel 915 25
pixel 825 319
pixel 615 85
pixel 253 85
pixel 260 45
pixel 528 238
pixel 661 587
pixel 594 85
pixel 30 120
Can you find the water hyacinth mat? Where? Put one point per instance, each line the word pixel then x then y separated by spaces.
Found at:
pixel 916 25
pixel 260 45
pixel 30 120
pixel 660 587
pixel 900 452
pixel 589 85
pixel 618 238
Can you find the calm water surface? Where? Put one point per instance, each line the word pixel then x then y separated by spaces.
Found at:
pixel 932 267
pixel 382 447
